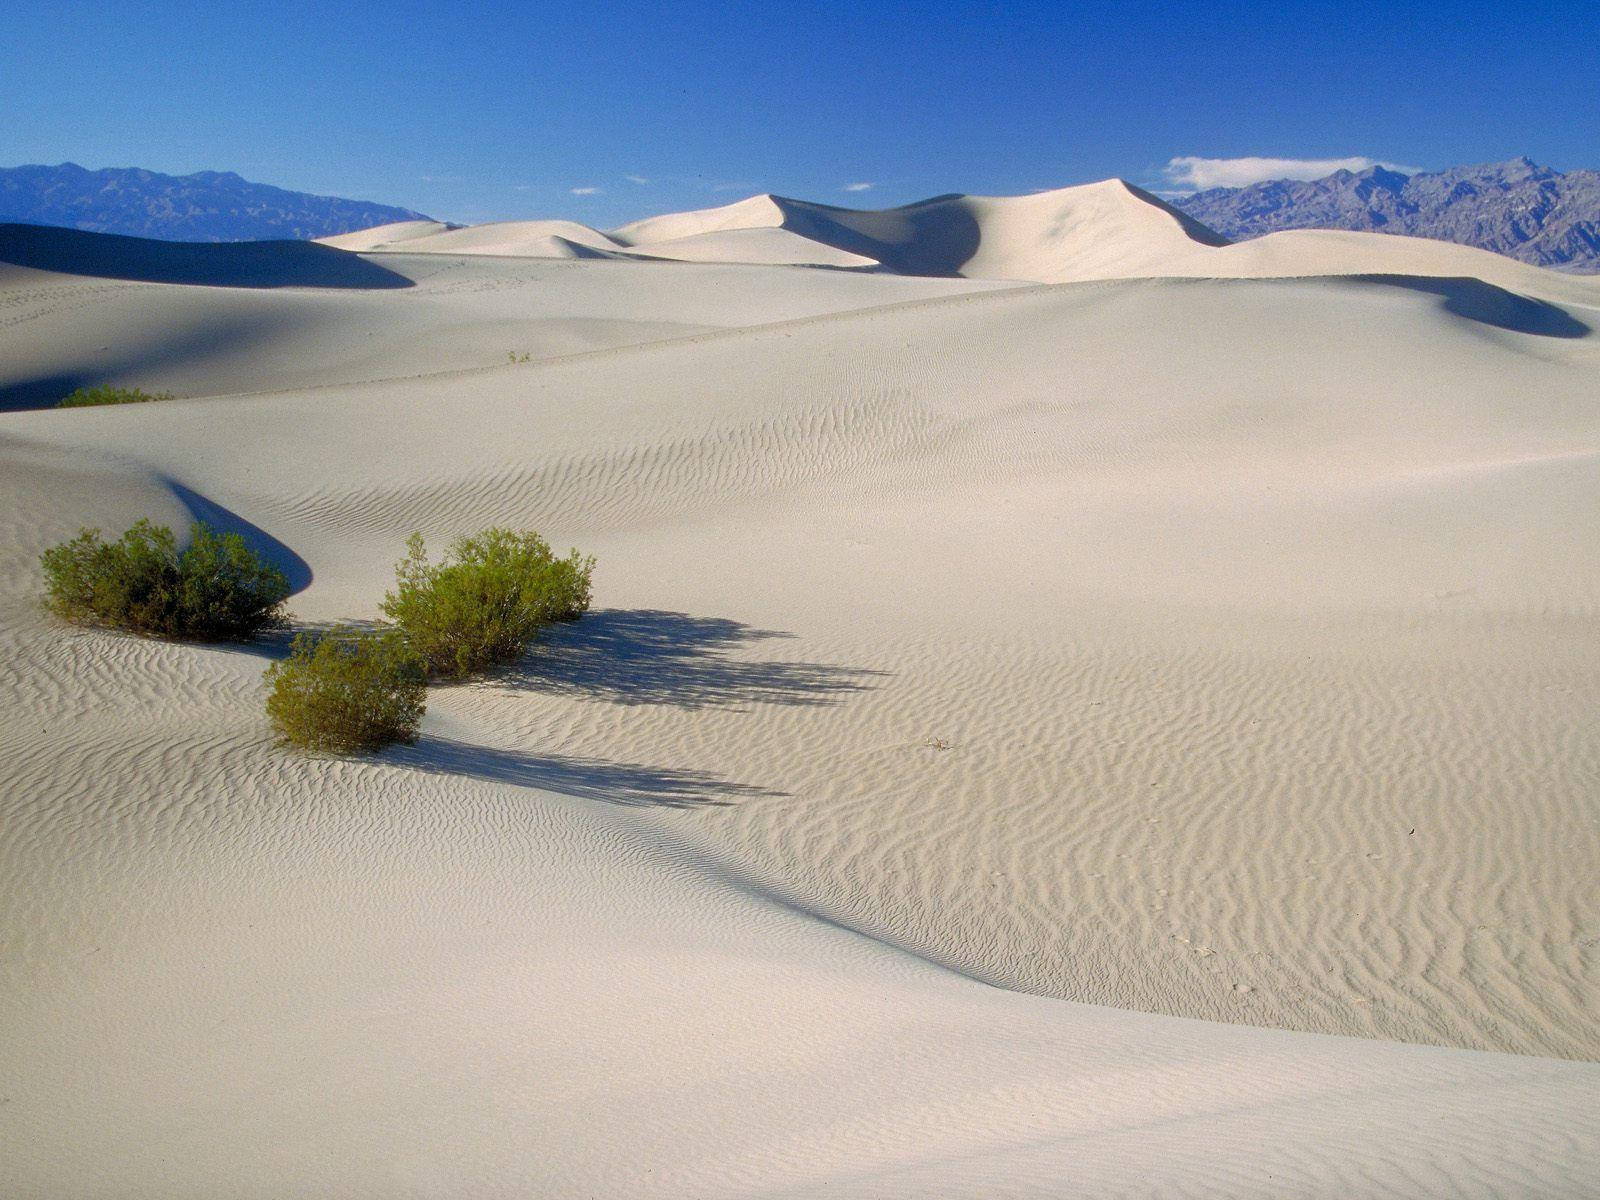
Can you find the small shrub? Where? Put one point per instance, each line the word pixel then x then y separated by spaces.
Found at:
pixel 486 601
pixel 347 691
pixel 90 396
pixel 215 590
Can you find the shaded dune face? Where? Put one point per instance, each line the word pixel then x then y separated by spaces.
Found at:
pixel 1034 235
pixel 1478 301
pixel 937 237
pixel 218 264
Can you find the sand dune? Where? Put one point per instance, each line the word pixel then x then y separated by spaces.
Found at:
pixel 383 236
pixel 755 246
pixel 1105 230
pixel 1095 231
pixel 754 212
pixel 985 683
pixel 1312 252
pixel 507 237
pixel 37 248
pixel 459 313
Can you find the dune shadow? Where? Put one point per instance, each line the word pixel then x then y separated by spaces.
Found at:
pixel 934 237
pixel 193 340
pixel 295 569
pixel 43 391
pixel 1489 305
pixel 647 656
pixel 630 784
pixel 210 264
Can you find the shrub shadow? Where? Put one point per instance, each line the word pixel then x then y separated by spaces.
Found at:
pixel 647 656
pixel 628 784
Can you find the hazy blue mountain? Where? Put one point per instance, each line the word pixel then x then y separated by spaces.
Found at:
pixel 1516 208
pixel 209 206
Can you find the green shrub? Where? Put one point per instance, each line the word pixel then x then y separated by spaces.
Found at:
pixel 215 590
pixel 90 396
pixel 486 601
pixel 347 691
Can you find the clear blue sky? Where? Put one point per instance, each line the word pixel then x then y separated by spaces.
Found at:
pixel 478 111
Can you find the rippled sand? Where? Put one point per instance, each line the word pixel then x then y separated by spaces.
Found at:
pixel 1153 650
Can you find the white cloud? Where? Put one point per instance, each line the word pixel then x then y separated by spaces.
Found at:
pixel 1197 174
pixel 639 179
pixel 858 187
pixel 586 191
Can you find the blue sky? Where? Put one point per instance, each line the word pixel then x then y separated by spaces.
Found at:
pixel 605 112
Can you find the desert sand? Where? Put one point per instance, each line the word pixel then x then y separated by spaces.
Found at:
pixel 1071 708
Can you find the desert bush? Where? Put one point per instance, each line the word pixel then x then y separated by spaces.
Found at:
pixel 90 396
pixel 347 691
pixel 485 602
pixel 215 589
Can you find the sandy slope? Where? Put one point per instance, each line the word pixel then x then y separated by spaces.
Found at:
pixel 459 313
pixel 384 235
pixel 1257 617
pixel 1312 252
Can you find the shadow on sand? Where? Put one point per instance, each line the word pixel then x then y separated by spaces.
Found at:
pixel 295 569
pixel 191 340
pixel 646 656
pixel 630 784
pixel 212 264
pixel 1489 305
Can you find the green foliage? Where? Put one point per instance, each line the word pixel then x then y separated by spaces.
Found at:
pixel 90 396
pixel 347 691
pixel 215 590
pixel 485 603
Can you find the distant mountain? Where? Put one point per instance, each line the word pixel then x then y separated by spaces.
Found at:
pixel 1516 208
pixel 209 206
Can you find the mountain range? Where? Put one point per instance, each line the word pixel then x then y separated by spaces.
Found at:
pixel 1516 208
pixel 208 206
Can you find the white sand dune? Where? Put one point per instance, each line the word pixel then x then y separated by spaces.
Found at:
pixel 985 682
pixel 1105 230
pixel 507 237
pixel 754 212
pixel 454 313
pixel 1095 231
pixel 1314 252
pixel 773 246
pixel 380 237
